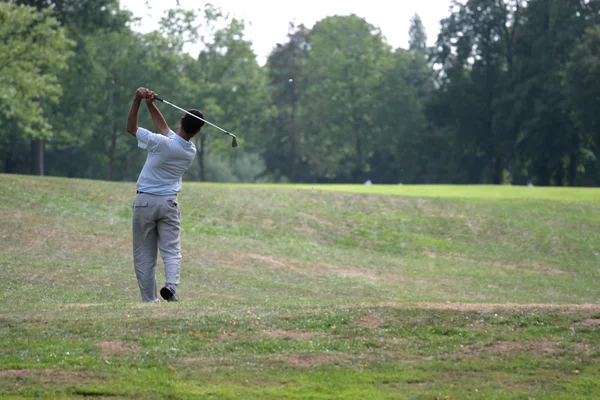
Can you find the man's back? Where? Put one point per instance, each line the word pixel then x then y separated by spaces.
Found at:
pixel 168 159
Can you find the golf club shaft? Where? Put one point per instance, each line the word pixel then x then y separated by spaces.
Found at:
pixel 195 116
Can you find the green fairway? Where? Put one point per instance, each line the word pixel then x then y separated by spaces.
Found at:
pixel 332 291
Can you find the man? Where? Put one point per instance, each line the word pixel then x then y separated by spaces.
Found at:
pixel 156 223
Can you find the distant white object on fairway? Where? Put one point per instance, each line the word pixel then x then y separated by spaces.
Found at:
pixel 368 182
pixel 290 80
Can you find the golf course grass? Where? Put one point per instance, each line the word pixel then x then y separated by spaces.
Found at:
pixel 304 292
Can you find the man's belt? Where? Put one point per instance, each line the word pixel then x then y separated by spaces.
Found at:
pixel 138 192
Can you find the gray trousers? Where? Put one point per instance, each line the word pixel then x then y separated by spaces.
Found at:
pixel 155 226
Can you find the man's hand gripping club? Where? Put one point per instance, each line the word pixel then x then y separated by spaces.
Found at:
pixel 157 118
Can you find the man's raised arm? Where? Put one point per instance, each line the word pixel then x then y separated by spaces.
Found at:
pixel 157 118
pixel 132 118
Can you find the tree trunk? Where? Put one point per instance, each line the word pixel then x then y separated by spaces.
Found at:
pixel 559 175
pixel 543 176
pixel 112 156
pixel 572 172
pixel 498 177
pixel 9 164
pixel 37 157
pixel 292 159
pixel 573 162
pixel 359 167
pixel 357 173
pixel 110 175
pixel 475 168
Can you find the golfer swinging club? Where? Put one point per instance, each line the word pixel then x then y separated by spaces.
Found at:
pixel 155 222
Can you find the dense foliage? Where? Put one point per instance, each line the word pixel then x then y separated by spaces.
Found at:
pixel 508 94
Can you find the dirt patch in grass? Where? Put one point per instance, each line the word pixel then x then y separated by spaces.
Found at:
pixel 314 360
pixel 371 321
pixel 506 348
pixel 588 323
pixel 584 347
pixel 591 322
pixel 491 307
pixel 47 375
pixel 542 348
pixel 117 347
pixel 207 360
pixel 306 229
pixel 315 219
pixel 534 267
pixel 291 360
pixel 307 268
pixel 298 335
pixel 242 261
pixel 277 261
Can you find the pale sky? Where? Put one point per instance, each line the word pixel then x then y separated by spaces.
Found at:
pixel 267 20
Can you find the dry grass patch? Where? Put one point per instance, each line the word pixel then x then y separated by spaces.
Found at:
pixel 306 229
pixel 117 347
pixel 530 266
pixel 508 348
pixel 371 321
pixel 315 360
pixel 588 323
pixel 47 375
pixel 595 322
pixel 315 219
pixel 298 335
pixel 311 269
pixel 491 307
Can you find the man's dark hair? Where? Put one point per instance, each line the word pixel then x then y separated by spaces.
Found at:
pixel 190 124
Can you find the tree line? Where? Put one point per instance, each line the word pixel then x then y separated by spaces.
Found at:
pixel 508 93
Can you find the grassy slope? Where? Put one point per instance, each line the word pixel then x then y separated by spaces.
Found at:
pixel 406 291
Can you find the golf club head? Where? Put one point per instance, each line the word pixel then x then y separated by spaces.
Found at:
pixel 234 142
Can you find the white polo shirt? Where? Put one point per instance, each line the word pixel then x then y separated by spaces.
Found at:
pixel 169 157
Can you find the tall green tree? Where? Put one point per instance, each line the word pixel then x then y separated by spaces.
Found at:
pixel 344 67
pixel 86 15
pixel 284 154
pixel 582 79
pixel 229 86
pixel 81 20
pixel 549 145
pixel 405 151
pixel 33 50
pixel 475 57
pixel 399 151
pixel 417 35
pixel 123 66
pixel 118 62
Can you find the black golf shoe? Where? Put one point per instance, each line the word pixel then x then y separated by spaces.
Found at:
pixel 168 295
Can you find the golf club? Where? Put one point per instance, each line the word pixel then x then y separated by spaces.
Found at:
pixel 233 143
